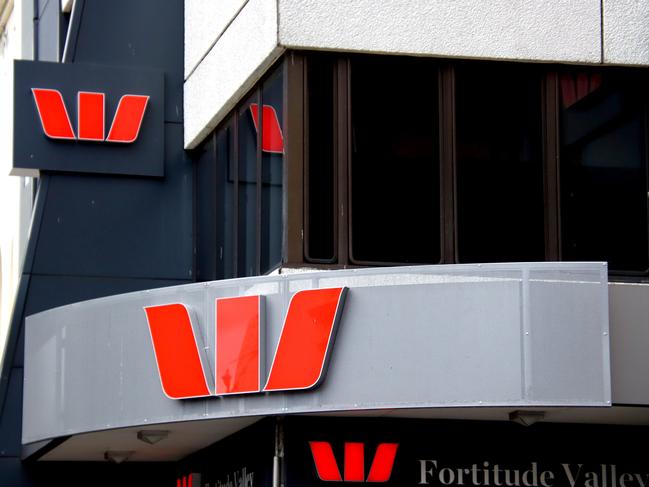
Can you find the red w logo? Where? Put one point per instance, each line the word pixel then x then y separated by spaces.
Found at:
pixel 90 116
pixel 354 466
pixel 191 480
pixel 300 359
pixel 272 139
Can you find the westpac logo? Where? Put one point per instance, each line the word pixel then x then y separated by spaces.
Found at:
pixel 300 359
pixel 91 116
pixel 354 462
pixel 191 480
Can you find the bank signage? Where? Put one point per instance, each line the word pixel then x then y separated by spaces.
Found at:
pixel 299 362
pixel 91 117
pixel 489 474
pixel 328 452
pixel 88 118
pixel 353 469
pixel 243 459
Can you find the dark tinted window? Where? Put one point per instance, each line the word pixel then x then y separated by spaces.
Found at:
pixel 206 257
pixel 320 161
pixel 247 189
pixel 395 197
pixel 272 160
pixel 499 163
pixel 603 168
pixel 225 202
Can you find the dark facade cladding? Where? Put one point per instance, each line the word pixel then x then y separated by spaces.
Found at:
pixel 98 235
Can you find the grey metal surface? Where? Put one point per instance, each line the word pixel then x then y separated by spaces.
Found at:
pixel 629 316
pixel 409 337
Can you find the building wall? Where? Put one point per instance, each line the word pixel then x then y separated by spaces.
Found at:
pixel 15 192
pixel 229 45
pixel 248 35
pixel 98 235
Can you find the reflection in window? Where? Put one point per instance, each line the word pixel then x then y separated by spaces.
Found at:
pixel 225 203
pixel 272 160
pixel 247 190
pixel 239 188
pixel 604 169
pixel 207 268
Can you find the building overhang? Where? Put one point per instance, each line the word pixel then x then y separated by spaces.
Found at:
pixel 428 341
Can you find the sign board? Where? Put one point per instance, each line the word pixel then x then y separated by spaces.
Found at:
pixel 405 452
pixel 88 118
pixel 244 459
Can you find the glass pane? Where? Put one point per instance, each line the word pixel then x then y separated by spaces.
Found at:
pixel 320 170
pixel 205 211
pixel 395 197
pixel 499 163
pixel 225 221
pixel 247 198
pixel 603 168
pixel 272 160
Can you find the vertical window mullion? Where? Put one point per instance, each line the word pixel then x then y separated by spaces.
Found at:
pixel 646 145
pixel 235 206
pixel 213 198
pixel 551 166
pixel 260 131
pixel 446 92
pixel 342 143
pixel 294 187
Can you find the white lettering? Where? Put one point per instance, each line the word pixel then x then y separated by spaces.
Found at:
pixel 446 476
pixel 531 482
pixel 512 482
pixel 547 478
pixel 624 478
pixel 425 472
pixel 572 479
pixel 592 480
pixel 641 481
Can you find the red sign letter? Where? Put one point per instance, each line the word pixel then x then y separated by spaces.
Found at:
pixel 238 345
pixel 327 468
pixel 90 116
pixel 325 462
pixel 176 351
pixel 128 119
pixel 53 114
pixel 306 339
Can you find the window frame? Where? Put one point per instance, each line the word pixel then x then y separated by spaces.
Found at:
pixel 550 140
pixel 231 122
pixel 295 178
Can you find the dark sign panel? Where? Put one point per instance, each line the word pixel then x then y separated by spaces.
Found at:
pixel 244 459
pixel 88 118
pixel 329 452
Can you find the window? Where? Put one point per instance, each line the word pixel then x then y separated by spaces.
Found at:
pixel 239 187
pixel 320 167
pixel 394 176
pixel 603 119
pixel 499 163
pixel 340 160
pixel 415 160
